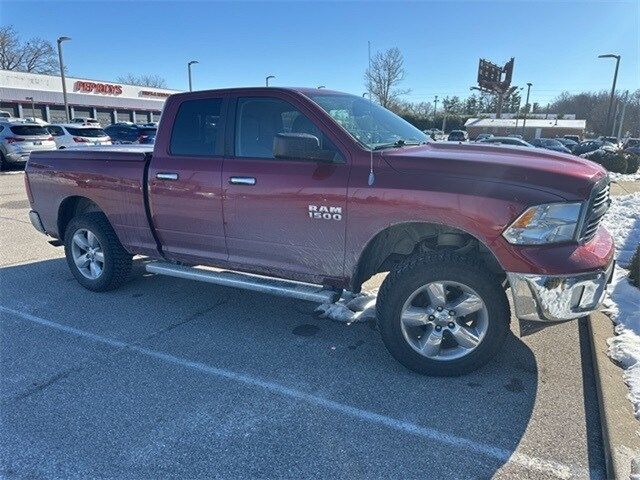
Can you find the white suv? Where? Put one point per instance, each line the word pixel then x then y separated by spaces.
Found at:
pixel 19 139
pixel 75 135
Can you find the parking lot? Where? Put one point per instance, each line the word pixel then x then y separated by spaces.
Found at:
pixel 171 378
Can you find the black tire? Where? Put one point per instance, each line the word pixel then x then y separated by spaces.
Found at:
pixel 3 162
pixel 419 270
pixel 117 261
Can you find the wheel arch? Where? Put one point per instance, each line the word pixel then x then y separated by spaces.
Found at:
pixel 71 207
pixel 396 242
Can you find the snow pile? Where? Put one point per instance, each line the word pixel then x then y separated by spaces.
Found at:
pixel 623 302
pixel 350 308
pixel 624 177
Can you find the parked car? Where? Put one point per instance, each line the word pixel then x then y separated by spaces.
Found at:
pixel 549 144
pixel 5 115
pixel 630 143
pixel 19 139
pixel 575 138
pixel 634 149
pixel 482 136
pixel 148 138
pixel 587 146
pixel 71 135
pixel 86 121
pixel 458 136
pixel 617 144
pixel 507 141
pixel 355 190
pixel 570 144
pixel 125 133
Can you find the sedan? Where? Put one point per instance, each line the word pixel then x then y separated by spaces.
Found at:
pixel 517 142
pixel 570 144
pixel 550 144
pixel 591 145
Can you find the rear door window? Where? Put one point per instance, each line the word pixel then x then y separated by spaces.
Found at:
pixel 197 128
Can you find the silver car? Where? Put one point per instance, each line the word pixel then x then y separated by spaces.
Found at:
pixel 19 139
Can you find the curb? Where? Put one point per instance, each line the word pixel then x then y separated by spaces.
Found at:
pixel 619 425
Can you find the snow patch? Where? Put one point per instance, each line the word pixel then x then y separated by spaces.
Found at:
pixel 350 308
pixel 623 299
pixel 624 177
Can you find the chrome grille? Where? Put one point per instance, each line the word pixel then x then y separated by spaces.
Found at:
pixel 598 206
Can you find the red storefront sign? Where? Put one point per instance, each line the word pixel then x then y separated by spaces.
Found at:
pixel 94 87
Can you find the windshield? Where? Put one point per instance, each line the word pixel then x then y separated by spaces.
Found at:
pixel 549 142
pixel 369 123
pixel 87 132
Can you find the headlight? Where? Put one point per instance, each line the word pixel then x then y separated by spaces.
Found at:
pixel 550 223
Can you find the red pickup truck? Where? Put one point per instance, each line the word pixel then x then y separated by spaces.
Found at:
pixel 306 192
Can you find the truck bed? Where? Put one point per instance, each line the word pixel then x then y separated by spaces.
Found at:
pixel 60 176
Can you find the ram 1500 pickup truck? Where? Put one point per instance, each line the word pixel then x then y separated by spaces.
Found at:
pixel 307 192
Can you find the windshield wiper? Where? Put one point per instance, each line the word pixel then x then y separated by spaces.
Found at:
pixel 397 144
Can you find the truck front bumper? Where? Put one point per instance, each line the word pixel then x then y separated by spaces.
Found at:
pixel 556 298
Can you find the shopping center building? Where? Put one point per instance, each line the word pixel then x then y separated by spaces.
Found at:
pixel 34 95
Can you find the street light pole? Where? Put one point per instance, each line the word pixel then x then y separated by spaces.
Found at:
pixel 624 109
pixel 613 87
pixel 526 109
pixel 33 107
pixel 515 130
pixel 266 80
pixel 192 62
pixel 435 108
pixel 64 83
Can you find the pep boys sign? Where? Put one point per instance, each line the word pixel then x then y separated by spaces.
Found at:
pixel 93 87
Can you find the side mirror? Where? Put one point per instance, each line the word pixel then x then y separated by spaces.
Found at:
pixel 300 146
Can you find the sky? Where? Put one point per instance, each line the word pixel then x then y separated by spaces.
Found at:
pixel 555 44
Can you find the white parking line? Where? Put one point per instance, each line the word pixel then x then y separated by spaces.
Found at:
pixel 502 455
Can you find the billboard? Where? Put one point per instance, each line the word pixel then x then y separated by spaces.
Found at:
pixel 490 76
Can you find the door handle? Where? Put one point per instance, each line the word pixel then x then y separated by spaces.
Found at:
pixel 242 180
pixel 166 176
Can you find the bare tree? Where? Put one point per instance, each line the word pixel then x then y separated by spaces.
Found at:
pixel 40 57
pixel 36 55
pixel 143 80
pixel 384 76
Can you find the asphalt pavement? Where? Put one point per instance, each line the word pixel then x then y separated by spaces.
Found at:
pixel 167 378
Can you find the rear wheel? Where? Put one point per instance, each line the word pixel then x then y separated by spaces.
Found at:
pixel 94 254
pixel 442 314
pixel 3 162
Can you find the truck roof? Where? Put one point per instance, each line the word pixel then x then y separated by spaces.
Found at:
pixel 249 90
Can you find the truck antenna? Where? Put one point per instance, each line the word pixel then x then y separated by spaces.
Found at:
pixel 372 176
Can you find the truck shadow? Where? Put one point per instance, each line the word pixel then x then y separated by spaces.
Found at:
pixel 282 341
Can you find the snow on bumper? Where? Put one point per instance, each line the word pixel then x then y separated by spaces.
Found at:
pixel 556 298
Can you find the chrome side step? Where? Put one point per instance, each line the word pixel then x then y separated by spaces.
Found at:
pixel 281 288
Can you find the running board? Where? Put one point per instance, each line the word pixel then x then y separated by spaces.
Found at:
pixel 281 288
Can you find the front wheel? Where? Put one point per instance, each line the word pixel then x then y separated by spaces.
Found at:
pixel 442 314
pixel 94 254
